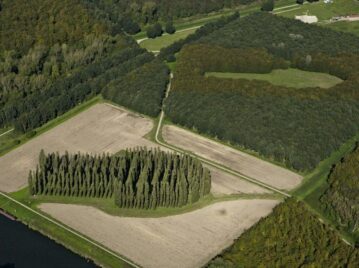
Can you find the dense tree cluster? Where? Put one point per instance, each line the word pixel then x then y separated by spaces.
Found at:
pixel 142 89
pixel 168 53
pixel 155 30
pixel 341 199
pixel 294 127
pixel 281 36
pixel 46 22
pixel 290 237
pixel 147 12
pixel 140 178
pixel 38 108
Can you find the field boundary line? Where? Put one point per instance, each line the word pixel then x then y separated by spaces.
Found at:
pixel 204 160
pixel 287 10
pixel 7 132
pixel 69 230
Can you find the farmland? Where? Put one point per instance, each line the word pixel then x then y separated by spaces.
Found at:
pixel 246 164
pixel 102 128
pixel 290 78
pixel 187 240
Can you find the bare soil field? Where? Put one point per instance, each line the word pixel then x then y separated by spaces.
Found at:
pixel 224 184
pixel 246 164
pixel 101 128
pixel 186 240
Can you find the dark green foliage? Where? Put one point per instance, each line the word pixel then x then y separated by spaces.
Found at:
pixel 290 237
pixel 300 2
pixel 143 179
pixel 292 126
pixel 341 199
pixel 281 36
pixel 267 5
pixel 141 90
pixel 41 106
pixel 170 51
pixel 154 31
pixel 46 22
pixel 148 12
pixel 170 28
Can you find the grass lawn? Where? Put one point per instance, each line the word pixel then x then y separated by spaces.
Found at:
pixel 290 78
pixel 165 40
pixel 345 26
pixel 324 11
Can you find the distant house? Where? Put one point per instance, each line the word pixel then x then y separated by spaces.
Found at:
pixel 307 19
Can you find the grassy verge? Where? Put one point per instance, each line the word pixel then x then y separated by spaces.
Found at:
pixel 14 139
pixel 165 40
pixel 345 26
pixel 294 78
pixel 61 235
pixel 108 205
pixel 315 184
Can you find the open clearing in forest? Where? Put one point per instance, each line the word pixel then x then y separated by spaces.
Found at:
pixel 243 163
pixel 290 78
pixel 186 240
pixel 101 128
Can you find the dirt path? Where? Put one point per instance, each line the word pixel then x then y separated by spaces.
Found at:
pixel 183 241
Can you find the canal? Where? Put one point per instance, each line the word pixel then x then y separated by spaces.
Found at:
pixel 21 247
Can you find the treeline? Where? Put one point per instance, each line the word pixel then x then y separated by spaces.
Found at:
pixel 41 106
pixel 294 127
pixel 341 199
pixel 282 36
pixel 37 70
pixel 290 237
pixel 142 179
pixel 148 12
pixel 25 23
pixel 141 89
pixel 168 53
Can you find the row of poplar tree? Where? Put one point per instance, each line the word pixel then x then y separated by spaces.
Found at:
pixel 138 178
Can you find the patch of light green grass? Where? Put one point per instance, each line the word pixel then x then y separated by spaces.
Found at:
pixel 165 40
pixel 290 78
pixel 325 11
pixel 345 26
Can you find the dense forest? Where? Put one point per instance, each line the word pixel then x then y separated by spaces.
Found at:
pixel 58 55
pixel 168 53
pixel 148 12
pixel 142 89
pixel 290 237
pixel 291 126
pixel 341 199
pixel 137 178
pixel 281 36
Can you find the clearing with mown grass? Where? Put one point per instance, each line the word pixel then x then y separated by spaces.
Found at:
pixel 290 78
pixel 186 240
pixel 246 164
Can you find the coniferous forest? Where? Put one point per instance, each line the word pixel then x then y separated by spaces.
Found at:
pixel 140 178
